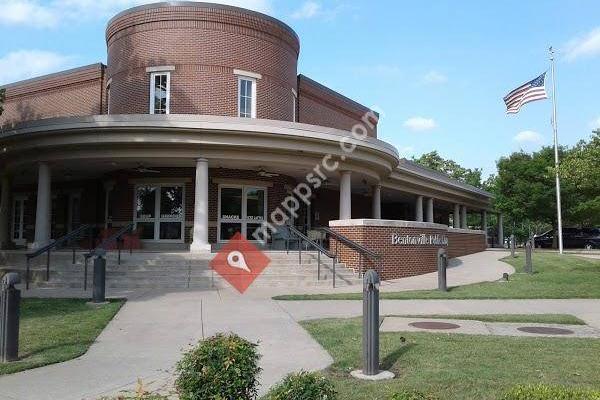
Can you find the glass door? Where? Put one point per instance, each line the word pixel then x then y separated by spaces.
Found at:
pixel 242 209
pixel 18 226
pixel 159 212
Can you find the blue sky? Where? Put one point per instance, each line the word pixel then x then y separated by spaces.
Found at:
pixel 438 70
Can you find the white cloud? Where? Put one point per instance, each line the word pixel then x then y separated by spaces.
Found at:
pixel 584 46
pixel 434 77
pixel 528 137
pixel 420 124
pixel 595 124
pixel 25 12
pixel 309 9
pixel 48 14
pixel 23 64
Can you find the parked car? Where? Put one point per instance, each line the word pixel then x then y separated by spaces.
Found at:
pixel 573 238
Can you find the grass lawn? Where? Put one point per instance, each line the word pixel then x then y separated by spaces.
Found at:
pixel 453 366
pixel 555 277
pixel 56 330
pixel 564 319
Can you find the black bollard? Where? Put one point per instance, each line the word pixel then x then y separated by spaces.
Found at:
pixel 10 302
pixel 528 261
pixel 371 323
pixel 442 266
pixel 99 289
pixel 512 246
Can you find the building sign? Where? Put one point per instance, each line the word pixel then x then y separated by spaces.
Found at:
pixel 423 239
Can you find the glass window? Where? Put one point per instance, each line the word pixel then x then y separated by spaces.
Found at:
pixel 159 93
pixel 228 230
pixel 145 202
pixel 170 230
pixel 171 201
pixel 231 203
pixel 247 98
pixel 145 230
pixel 255 204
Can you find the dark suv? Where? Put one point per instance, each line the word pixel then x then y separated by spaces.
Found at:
pixel 573 238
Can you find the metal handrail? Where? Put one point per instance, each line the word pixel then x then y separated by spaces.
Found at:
pixel 116 237
pixel 48 248
pixel 339 238
pixel 302 238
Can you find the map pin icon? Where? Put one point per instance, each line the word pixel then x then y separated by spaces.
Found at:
pixel 236 259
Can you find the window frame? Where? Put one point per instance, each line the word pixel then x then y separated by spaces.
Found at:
pixel 153 76
pixel 254 83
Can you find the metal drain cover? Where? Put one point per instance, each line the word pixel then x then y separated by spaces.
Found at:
pixel 433 325
pixel 545 330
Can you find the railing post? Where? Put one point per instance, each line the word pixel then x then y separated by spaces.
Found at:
pixel 85 273
pixel 48 267
pixel 334 273
pixel 73 256
pixel 27 275
pixel 319 265
pixel 360 264
pixel 300 251
pixel 119 251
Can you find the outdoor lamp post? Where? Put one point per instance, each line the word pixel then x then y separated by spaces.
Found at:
pixel 10 303
pixel 370 341
pixel 442 266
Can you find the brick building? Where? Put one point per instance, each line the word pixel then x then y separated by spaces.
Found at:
pixel 199 127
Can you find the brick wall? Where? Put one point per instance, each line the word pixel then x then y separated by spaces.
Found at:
pixel 464 243
pixel 69 93
pixel 399 260
pixel 319 105
pixel 204 45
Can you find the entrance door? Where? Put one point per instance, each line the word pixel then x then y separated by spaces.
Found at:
pixel 241 209
pixel 159 212
pixel 18 225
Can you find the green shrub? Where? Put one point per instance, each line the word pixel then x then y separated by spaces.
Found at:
pixel 545 392
pixel 303 386
pixel 221 367
pixel 412 395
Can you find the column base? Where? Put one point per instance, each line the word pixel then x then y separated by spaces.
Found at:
pixel 197 247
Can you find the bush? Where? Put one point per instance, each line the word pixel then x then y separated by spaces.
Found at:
pixel 303 386
pixel 412 395
pixel 221 367
pixel 545 392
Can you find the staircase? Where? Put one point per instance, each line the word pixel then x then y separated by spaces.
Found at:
pixel 164 270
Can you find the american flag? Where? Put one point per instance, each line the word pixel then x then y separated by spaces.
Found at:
pixel 531 91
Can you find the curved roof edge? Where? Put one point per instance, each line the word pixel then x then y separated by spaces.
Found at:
pixel 198 4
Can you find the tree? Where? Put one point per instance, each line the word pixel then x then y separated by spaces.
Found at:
pixel 436 162
pixel 580 170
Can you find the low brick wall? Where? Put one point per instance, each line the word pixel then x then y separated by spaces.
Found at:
pixel 462 242
pixel 407 248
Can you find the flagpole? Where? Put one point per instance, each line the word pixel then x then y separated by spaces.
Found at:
pixel 556 160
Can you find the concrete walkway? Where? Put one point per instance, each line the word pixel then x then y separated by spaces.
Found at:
pixel 147 337
pixel 470 327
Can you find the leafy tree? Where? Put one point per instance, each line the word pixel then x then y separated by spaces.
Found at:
pixel 436 162
pixel 580 170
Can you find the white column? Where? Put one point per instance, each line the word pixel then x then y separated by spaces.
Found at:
pixel 376 202
pixel 108 187
pixel 43 207
pixel 419 209
pixel 5 208
pixel 200 233
pixel 456 216
pixel 346 195
pixel 463 217
pixel 500 230
pixel 430 209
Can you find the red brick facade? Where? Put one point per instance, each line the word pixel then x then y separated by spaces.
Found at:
pixel 402 260
pixel 202 45
pixel 73 93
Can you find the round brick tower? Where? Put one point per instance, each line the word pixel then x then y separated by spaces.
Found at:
pixel 204 47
